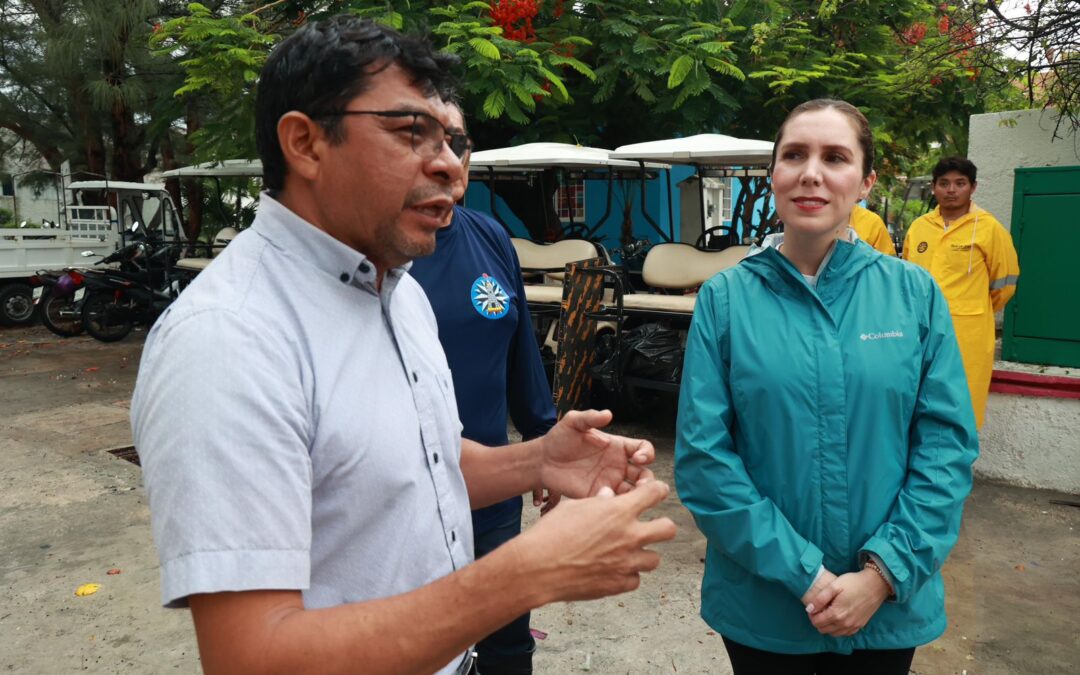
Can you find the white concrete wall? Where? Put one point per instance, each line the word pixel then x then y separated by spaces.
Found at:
pixel 999 143
pixel 34 208
pixel 1031 441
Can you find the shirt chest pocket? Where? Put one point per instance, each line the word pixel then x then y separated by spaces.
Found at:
pixel 960 270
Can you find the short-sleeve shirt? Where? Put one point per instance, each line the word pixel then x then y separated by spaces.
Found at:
pixel 297 426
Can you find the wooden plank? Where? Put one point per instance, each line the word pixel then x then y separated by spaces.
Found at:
pixel 582 294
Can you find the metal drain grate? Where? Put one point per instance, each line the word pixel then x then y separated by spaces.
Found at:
pixel 126 453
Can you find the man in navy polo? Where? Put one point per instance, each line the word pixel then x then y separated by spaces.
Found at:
pixel 474 283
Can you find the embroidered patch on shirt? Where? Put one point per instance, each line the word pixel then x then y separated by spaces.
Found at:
pixel 922 247
pixel 488 298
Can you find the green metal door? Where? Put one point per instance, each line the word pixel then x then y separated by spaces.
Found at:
pixel 1042 323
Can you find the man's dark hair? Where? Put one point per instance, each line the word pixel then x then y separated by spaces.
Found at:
pixel 961 164
pixel 321 67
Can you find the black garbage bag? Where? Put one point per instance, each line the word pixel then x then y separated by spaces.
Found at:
pixel 650 351
pixel 656 353
pixel 605 370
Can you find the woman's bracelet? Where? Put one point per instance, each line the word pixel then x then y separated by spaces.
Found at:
pixel 874 566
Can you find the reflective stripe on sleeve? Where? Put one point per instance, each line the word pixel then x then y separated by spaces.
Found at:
pixel 1003 282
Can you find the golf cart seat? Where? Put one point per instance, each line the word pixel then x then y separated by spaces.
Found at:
pixel 678 267
pixel 221 240
pixel 550 260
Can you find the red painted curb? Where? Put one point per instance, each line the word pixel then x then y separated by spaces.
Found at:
pixel 1033 384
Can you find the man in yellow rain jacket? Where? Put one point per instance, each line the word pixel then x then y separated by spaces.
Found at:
pixel 871 229
pixel 971 256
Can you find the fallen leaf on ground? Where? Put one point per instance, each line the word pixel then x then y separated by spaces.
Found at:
pixel 538 634
pixel 93 370
pixel 87 589
pixel 1019 568
pixel 114 570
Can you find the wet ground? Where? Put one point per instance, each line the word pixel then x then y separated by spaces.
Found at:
pixel 71 512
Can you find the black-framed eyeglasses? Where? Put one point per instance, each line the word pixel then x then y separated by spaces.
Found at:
pixel 428 133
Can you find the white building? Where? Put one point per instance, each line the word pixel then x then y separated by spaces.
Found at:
pixel 33 200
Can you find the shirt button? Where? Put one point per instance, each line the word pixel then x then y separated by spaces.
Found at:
pixel 436 457
pixel 414 377
pixel 344 278
pixel 364 268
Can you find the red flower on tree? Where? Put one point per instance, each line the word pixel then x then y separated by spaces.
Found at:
pixel 516 18
pixel 914 34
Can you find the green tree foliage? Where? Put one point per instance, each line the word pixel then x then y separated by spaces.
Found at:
pixel 597 72
pixel 78 83
pixel 553 79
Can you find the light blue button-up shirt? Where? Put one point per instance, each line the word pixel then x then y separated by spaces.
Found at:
pixel 297 426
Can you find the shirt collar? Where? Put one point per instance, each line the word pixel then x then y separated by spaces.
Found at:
pixel 939 220
pixel 446 232
pixel 297 237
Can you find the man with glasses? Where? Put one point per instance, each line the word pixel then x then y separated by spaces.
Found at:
pixel 474 284
pixel 295 416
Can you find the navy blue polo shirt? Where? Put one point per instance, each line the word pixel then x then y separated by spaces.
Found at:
pixel 473 281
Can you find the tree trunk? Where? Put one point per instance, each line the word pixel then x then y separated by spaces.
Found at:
pixel 194 187
pixel 93 145
pixel 126 163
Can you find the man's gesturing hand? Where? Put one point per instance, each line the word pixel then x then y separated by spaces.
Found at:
pixel 592 548
pixel 579 459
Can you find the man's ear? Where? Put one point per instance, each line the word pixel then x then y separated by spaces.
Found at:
pixel 302 143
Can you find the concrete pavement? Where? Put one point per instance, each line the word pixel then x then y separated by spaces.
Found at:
pixel 70 512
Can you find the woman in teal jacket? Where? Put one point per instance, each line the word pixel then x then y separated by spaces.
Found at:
pixel 825 435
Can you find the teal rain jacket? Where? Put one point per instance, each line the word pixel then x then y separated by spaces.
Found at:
pixel 816 427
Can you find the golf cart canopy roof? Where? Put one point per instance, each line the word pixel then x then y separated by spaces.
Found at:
pixel 702 149
pixel 551 155
pixel 116 185
pixel 229 167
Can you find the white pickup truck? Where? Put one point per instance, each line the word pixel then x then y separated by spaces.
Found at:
pixel 101 229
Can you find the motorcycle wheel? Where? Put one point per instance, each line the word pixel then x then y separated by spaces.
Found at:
pixel 98 323
pixel 61 316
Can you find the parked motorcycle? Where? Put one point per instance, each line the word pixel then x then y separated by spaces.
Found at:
pixel 58 298
pixel 118 301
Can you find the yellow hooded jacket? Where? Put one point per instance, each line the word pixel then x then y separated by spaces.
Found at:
pixel 871 229
pixel 974 262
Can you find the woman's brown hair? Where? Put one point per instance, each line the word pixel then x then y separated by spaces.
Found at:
pixel 862 126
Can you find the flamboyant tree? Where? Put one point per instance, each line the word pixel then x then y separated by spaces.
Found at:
pixel 1035 47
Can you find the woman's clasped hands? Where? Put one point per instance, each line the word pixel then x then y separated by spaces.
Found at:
pixel 841 605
